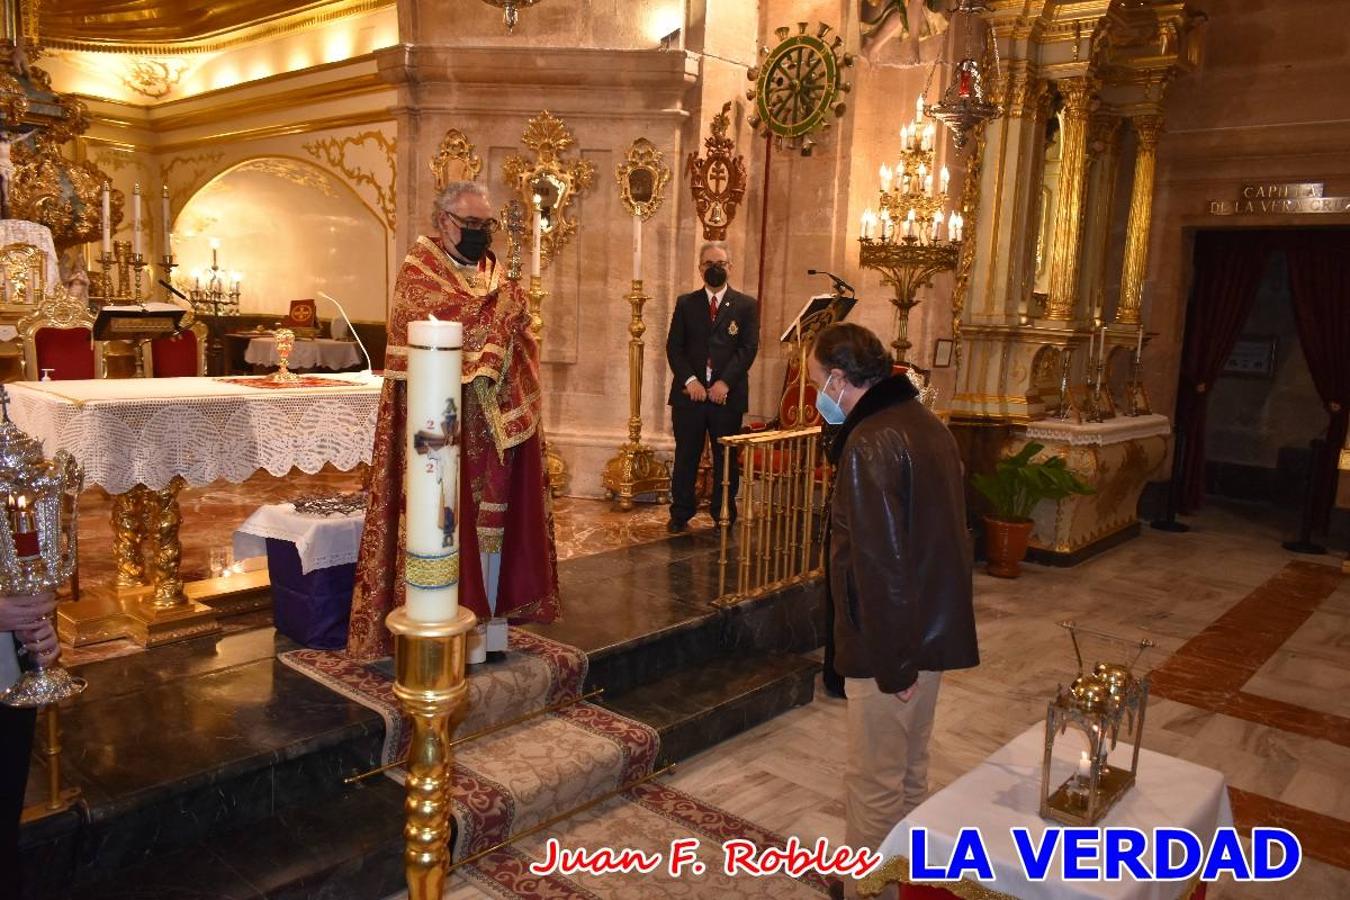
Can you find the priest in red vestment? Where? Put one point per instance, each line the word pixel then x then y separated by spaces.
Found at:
pixel 505 511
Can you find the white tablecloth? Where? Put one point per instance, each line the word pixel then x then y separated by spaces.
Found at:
pixel 321 353
pixel 320 541
pixel 146 431
pixel 1101 434
pixel 1004 791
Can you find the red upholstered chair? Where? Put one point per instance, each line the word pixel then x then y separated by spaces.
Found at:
pixel 58 335
pixel 180 356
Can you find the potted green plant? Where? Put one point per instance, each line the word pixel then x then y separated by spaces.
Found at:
pixel 1013 489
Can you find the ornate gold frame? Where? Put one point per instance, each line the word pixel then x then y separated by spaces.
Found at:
pixel 555 180
pixel 455 149
pixel 24 264
pixel 644 161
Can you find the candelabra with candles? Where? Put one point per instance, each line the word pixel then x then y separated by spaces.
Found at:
pixel 122 264
pixel 904 240
pixel 211 300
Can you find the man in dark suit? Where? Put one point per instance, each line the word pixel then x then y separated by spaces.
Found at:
pixel 714 335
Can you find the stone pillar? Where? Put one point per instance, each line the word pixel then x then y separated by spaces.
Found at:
pixel 1067 241
pixel 1148 128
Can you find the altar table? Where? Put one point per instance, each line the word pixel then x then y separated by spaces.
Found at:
pixel 317 353
pixel 1003 792
pixel 1117 457
pixel 144 439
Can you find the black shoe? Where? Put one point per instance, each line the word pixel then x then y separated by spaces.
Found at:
pixel 834 687
pixel 496 656
pixel 675 526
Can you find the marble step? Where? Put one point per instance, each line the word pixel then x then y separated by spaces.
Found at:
pixel 349 845
pixel 701 706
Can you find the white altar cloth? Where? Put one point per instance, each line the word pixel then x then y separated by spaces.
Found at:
pixel 1004 791
pixel 1101 434
pixel 320 353
pixel 146 431
pixel 321 542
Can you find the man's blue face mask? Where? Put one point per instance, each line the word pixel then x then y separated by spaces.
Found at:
pixel 828 407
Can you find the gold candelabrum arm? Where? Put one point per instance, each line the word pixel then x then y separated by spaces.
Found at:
pixel 906 265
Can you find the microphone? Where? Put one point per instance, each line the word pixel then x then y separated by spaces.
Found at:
pixel 369 371
pixel 839 283
pixel 173 290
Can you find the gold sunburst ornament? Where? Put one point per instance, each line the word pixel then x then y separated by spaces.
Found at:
pixel 550 182
pixel 799 86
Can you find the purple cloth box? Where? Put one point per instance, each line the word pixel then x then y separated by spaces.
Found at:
pixel 311 609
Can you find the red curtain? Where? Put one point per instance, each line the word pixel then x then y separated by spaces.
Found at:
pixel 1228 270
pixel 1319 281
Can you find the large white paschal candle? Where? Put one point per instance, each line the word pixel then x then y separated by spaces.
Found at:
pixel 431 484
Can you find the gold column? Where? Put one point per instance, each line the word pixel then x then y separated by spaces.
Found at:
pixel 1148 128
pixel 430 686
pixel 1067 241
pixel 636 470
pixel 128 521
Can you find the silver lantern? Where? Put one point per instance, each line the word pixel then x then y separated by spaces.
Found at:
pixel 37 541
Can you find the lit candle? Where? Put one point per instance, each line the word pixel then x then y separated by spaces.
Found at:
pixel 929 137
pixel 909 222
pixel 944 180
pixel 904 137
pixel 937 223
pixel 885 224
pixel 1085 767
pixel 136 220
pixel 637 248
pixel 23 525
pixel 867 223
pixel 107 219
pixel 928 185
pixel 885 177
pixel 168 245
pixel 535 249
pixel 215 248
pixel 918 108
pixel 431 487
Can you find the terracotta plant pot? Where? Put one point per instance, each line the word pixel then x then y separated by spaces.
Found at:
pixel 1005 545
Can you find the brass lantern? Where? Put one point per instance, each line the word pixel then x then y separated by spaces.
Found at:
pixel 37 541
pixel 1101 704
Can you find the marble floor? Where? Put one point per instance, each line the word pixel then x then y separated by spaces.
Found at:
pixel 1286 753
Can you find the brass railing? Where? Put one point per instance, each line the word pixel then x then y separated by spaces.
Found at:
pixel 784 482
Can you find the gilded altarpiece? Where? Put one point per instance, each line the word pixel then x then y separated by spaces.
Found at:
pixel 1074 80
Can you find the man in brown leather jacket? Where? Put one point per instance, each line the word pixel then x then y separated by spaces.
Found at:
pixel 899 572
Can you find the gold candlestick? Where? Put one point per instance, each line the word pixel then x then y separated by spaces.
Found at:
pixel 557 468
pixel 636 469
pixel 430 687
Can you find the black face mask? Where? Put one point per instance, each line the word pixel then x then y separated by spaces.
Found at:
pixel 473 243
pixel 714 277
